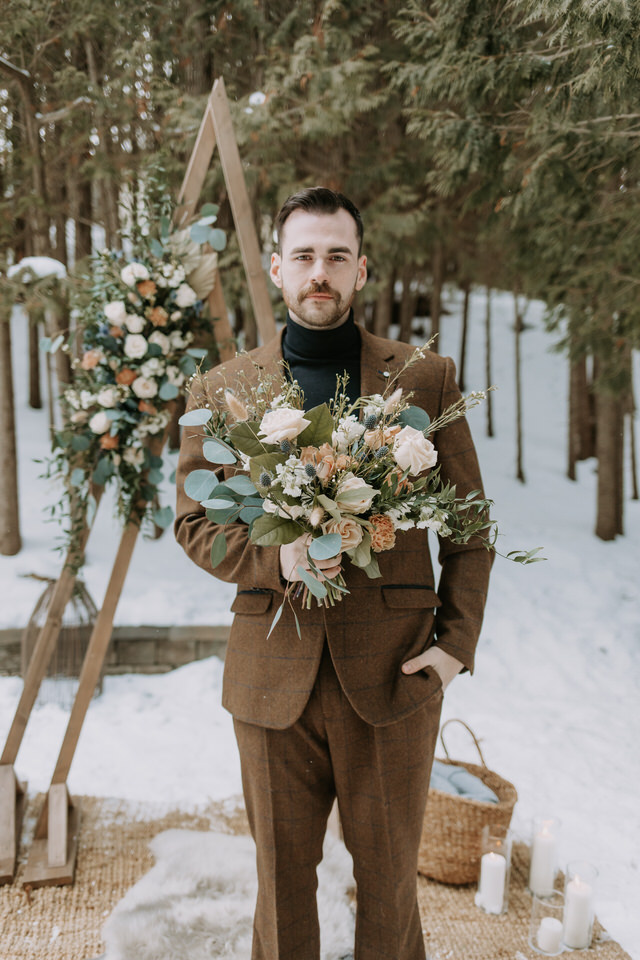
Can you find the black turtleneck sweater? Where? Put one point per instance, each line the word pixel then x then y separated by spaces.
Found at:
pixel 317 357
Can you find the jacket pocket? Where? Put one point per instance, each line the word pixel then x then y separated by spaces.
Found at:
pixel 252 601
pixel 410 596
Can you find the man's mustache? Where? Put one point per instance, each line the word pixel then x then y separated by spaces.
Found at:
pixel 312 288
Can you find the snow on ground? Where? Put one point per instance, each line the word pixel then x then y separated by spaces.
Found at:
pixel 556 690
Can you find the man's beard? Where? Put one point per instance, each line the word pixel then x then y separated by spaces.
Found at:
pixel 318 315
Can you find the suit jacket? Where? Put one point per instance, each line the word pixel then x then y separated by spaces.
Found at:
pixel 382 622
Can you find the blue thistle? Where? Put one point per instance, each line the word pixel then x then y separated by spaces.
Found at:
pixel 264 480
pixel 285 446
pixel 381 452
pixel 370 421
pixel 310 470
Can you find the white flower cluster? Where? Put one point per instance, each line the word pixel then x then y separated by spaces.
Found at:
pixel 293 476
pixel 349 429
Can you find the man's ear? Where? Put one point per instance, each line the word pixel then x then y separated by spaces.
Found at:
pixel 274 272
pixel 362 273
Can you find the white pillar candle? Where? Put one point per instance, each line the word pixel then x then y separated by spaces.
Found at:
pixel 578 914
pixel 493 871
pixel 542 872
pixel 550 935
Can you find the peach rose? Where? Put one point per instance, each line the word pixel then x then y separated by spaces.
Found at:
pixel 354 495
pixel 383 535
pixel 91 359
pixel 116 332
pixel 348 528
pixel 145 407
pixel 146 288
pixel 126 376
pixel 107 442
pixel 381 436
pixel 413 452
pixel 158 317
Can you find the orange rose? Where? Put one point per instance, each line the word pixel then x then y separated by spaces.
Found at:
pixel 402 486
pixel 146 288
pixel 116 331
pixel 91 359
pixel 107 442
pixel 158 317
pixel 145 407
pixel 126 376
pixel 383 535
pixel 309 455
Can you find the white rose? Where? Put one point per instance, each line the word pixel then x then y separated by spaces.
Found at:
pixel 107 396
pixel 134 272
pixel 87 399
pixel 152 368
pixel 349 429
pixel 185 295
pixel 115 311
pixel 282 424
pixel 80 416
pixel 175 376
pixel 134 322
pixel 413 452
pixel 348 528
pixel 354 495
pixel 135 346
pixel 161 339
pixel 99 422
pixel 134 456
pixel 179 340
pixel 289 512
pixel 144 388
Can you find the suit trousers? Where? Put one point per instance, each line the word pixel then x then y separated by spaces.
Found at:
pixel 380 776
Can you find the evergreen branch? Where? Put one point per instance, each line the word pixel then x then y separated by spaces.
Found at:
pixel 17 73
pixel 63 112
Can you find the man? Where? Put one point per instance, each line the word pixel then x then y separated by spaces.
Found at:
pixel 351 708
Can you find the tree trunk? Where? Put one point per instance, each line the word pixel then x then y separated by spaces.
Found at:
pixel 384 308
pixel 10 540
pixel 518 334
pixel 35 394
pixel 487 342
pixel 407 306
pixel 609 450
pixel 581 439
pixel 463 339
pixel 437 281
pixel 81 213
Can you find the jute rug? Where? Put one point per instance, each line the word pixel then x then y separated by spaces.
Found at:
pixel 65 923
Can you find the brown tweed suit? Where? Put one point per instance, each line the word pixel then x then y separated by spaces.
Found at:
pixel 331 712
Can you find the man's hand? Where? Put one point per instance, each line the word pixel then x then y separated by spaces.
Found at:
pixel 446 666
pixel 294 555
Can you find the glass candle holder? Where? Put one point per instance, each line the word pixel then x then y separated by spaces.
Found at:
pixel 495 867
pixel 579 889
pixel 546 930
pixel 543 868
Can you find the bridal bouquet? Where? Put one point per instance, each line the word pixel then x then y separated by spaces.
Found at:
pixel 350 475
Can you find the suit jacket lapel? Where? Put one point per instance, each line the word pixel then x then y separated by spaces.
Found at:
pixel 376 363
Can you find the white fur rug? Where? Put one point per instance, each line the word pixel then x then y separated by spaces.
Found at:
pixel 197 902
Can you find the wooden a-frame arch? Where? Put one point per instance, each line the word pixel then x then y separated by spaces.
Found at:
pixel 53 853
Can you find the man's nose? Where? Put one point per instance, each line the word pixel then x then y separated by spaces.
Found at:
pixel 319 273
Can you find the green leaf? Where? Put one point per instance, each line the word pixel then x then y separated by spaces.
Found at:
pixel 163 517
pixel 81 442
pixel 320 428
pixel 198 352
pixel 165 227
pixel 200 484
pixel 372 569
pixel 158 251
pixel 209 210
pixel 241 484
pixel 218 503
pixel 223 516
pixel 269 531
pixel 245 439
pixel 155 476
pixel 218 549
pixel 325 547
pixel 249 514
pixel 59 340
pixel 217 239
pixel 215 451
pixel 200 233
pixel 315 587
pixel 276 618
pixel 168 391
pixel 103 471
pixel 361 555
pixel 415 417
pixel 195 418
pixel 187 365
pixel 266 461
pixel 77 477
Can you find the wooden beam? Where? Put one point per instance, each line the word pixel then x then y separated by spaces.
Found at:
pixel 12 804
pixel 196 171
pixel 241 209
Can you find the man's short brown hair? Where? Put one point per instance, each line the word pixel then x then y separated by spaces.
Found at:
pixel 318 200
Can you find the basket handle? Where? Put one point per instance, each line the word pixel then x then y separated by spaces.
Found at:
pixel 468 728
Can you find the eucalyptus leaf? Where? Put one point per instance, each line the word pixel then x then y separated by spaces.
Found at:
pixel 163 517
pixel 217 239
pixel 249 514
pixel 209 210
pixel 195 418
pixel 206 221
pixel 315 587
pixel 215 451
pixel 80 443
pixel 200 233
pixel 241 484
pixel 218 503
pixel 218 549
pixel 168 391
pixel 223 516
pixel 103 471
pixel 200 484
pixel 415 417
pixel 198 352
pixel 155 476
pixel 187 365
pixel 158 251
pixel 77 477
pixel 325 547
pixel 276 618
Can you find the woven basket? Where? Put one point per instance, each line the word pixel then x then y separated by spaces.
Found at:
pixel 451 832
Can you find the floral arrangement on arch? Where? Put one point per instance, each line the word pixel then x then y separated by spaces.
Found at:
pixel 351 476
pixel 133 349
